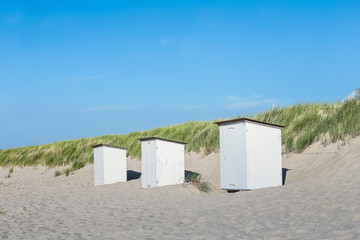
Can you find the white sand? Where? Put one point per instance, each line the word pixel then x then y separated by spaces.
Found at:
pixel 321 200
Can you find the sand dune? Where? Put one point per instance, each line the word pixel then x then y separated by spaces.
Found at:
pixel 320 200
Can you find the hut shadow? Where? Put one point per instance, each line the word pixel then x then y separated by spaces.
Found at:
pixel 133 175
pixel 284 171
pixel 188 175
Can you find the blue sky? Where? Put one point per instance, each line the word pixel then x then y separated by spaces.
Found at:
pixel 76 69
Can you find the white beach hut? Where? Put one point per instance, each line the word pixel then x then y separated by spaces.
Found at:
pixel 250 154
pixel 162 162
pixel 109 164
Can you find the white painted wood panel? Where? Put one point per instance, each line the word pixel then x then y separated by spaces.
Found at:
pixel 250 154
pixel 162 162
pixel 233 162
pixel 109 165
pixel 114 165
pixel 263 156
pixel 98 167
pixel 148 164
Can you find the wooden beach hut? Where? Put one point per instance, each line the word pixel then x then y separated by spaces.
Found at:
pixel 109 164
pixel 250 154
pixel 162 162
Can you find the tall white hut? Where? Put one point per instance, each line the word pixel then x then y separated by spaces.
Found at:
pixel 250 154
pixel 109 164
pixel 162 162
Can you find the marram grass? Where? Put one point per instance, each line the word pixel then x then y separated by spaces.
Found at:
pixel 305 124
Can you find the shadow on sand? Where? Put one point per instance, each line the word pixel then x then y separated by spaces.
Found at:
pixel 284 171
pixel 188 175
pixel 133 175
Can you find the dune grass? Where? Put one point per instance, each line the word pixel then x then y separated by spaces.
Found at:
pixel 57 173
pixel 196 180
pixel 305 123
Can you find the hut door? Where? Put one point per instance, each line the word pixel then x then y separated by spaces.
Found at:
pixel 165 169
pixel 230 150
pixel 98 167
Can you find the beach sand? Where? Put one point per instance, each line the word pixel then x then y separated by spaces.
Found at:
pixel 320 200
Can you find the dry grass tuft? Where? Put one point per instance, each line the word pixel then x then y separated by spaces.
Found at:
pixel 67 172
pixel 57 173
pixel 195 179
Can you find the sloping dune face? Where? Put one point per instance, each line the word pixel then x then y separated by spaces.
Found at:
pixel 320 200
pixel 338 161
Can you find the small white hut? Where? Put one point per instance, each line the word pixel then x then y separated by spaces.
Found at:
pixel 162 162
pixel 109 164
pixel 250 154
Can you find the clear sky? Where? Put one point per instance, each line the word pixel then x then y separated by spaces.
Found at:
pixel 72 69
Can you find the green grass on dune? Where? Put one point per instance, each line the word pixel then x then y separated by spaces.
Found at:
pixel 79 152
pixel 305 124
